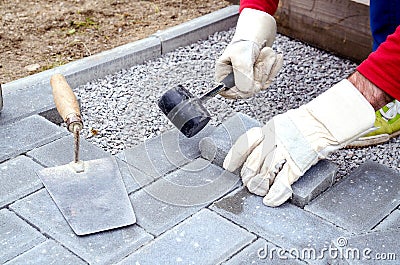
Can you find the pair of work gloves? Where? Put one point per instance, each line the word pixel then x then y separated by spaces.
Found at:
pixel 276 155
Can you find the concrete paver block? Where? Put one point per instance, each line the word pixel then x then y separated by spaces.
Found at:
pixel 216 146
pixel 61 152
pixel 316 180
pixel 171 199
pixel 360 201
pixel 390 222
pixel 18 179
pixel 204 238
pixel 162 154
pixel 16 236
pixel 23 100
pixel 262 252
pixel 100 248
pixel 27 134
pixel 198 28
pixel 48 252
pixel 371 248
pixel 133 178
pixel 287 226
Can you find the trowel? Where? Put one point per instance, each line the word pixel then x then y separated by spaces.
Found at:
pixel 91 195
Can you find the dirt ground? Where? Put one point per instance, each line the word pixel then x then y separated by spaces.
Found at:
pixel 41 34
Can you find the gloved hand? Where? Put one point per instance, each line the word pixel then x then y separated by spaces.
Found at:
pixel 278 154
pixel 250 55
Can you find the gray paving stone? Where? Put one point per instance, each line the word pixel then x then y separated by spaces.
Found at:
pixel 133 178
pixel 49 252
pixel 61 152
pixel 315 181
pixel 263 252
pixel 371 248
pixel 178 195
pixel 215 147
pixel 204 238
pixel 101 248
pixel 162 154
pixel 16 236
pixel 18 179
pixel 27 134
pixel 23 99
pixel 390 222
pixel 198 29
pixel 360 201
pixel 287 226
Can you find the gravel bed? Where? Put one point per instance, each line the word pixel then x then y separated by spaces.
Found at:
pixel 120 110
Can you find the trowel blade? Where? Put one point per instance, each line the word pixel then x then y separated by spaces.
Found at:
pixel 91 201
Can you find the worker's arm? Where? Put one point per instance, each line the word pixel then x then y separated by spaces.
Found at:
pixel 249 55
pixel 278 154
pixel 268 6
pixel 382 67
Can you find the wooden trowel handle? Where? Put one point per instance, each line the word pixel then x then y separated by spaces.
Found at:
pixel 66 103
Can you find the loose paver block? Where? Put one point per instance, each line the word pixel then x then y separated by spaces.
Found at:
pixel 27 134
pixel 198 29
pixel 160 155
pixel 287 226
pixel 171 199
pixel 390 222
pixel 216 146
pixel 16 236
pixel 360 201
pixel 18 179
pixel 316 180
pixel 204 238
pixel 49 252
pixel 371 248
pixel 100 248
pixel 263 252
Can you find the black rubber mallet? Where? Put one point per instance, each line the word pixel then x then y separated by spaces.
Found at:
pixel 186 111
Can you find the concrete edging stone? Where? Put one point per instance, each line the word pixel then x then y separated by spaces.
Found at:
pixel 32 94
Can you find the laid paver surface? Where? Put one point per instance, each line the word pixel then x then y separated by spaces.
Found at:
pixel 48 252
pixel 204 238
pixel 189 209
pixel 16 236
pixel 18 179
pixel 101 248
pixel 362 200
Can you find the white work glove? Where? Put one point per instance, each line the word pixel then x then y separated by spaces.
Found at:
pixel 250 55
pixel 278 154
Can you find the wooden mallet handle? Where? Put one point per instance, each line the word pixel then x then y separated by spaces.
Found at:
pixel 66 103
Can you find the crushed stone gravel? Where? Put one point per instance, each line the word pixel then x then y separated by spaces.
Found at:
pixel 120 110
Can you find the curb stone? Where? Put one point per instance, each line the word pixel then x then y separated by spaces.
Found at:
pixel 35 89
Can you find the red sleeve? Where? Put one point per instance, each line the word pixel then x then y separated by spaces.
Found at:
pixel 268 6
pixel 382 67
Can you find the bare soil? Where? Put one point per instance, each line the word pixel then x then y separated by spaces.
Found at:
pixel 36 35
